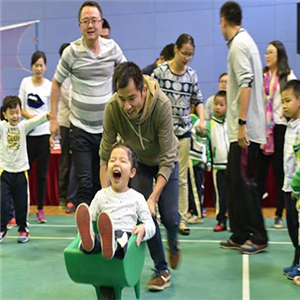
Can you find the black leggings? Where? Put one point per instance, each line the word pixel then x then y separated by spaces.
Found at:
pixel 38 148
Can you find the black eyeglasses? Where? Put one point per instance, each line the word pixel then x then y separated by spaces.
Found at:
pixel 87 22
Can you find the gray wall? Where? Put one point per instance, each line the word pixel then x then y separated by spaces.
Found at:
pixel 142 28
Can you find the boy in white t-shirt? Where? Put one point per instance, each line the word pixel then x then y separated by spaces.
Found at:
pixel 13 172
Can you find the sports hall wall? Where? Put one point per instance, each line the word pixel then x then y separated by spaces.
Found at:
pixel 143 27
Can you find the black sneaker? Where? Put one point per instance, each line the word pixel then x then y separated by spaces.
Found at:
pixel 278 223
pixel 229 244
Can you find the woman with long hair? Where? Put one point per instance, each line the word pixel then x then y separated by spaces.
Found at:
pixel 180 83
pixel 34 93
pixel 276 73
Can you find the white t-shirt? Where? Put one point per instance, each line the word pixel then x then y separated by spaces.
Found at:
pixel 13 143
pixel 36 100
pixel 125 210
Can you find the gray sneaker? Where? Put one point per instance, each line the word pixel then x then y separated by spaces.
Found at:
pixel 278 224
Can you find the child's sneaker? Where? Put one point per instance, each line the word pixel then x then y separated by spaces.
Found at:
pixel 70 208
pixel 2 235
pixel 220 227
pixel 296 280
pixel 290 268
pixel 278 223
pixel 292 274
pixel 85 228
pixel 11 223
pixel 23 237
pixel 40 216
pixel 107 235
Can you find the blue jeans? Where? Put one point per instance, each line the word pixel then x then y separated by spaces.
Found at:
pixel 168 209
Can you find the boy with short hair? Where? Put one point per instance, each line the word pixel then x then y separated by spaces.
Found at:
pixel 217 149
pixel 290 98
pixel 14 176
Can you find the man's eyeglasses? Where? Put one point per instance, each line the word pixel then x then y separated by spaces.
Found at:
pixel 87 22
pixel 189 55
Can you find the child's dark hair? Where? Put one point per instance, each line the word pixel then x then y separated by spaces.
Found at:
pixel 292 85
pixel 10 102
pixel 130 152
pixel 220 94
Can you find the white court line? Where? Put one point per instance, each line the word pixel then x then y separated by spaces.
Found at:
pixel 43 237
pixel 164 240
pixel 191 227
pixel 211 228
pixel 246 281
pixel 48 225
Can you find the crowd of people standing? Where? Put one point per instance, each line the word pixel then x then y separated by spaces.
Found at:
pixel 253 118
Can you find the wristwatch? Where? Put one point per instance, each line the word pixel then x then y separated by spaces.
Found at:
pixel 242 122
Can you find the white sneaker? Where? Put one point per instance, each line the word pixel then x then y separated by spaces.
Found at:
pixel 195 220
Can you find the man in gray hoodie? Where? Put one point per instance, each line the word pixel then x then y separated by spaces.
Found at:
pixel 140 114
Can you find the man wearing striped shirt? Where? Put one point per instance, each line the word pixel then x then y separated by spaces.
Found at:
pixel 90 63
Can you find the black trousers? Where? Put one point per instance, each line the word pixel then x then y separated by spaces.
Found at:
pixel 244 204
pixel 292 224
pixel 67 178
pixel 14 186
pixel 38 148
pixel 220 192
pixel 86 159
pixel 263 163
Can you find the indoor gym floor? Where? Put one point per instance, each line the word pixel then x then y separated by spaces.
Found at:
pixel 36 270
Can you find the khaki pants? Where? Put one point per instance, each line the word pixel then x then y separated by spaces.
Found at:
pixel 183 160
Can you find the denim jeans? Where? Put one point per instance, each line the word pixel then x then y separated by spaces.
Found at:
pixel 168 209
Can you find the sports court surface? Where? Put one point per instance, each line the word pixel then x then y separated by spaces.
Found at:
pixel 36 270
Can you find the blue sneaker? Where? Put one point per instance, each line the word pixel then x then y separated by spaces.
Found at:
pixel 2 235
pixel 290 268
pixel 23 237
pixel 295 272
pixel 250 248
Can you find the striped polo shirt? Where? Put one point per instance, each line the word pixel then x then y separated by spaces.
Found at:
pixel 91 77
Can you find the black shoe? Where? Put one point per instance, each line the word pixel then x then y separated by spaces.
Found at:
pixel 184 231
